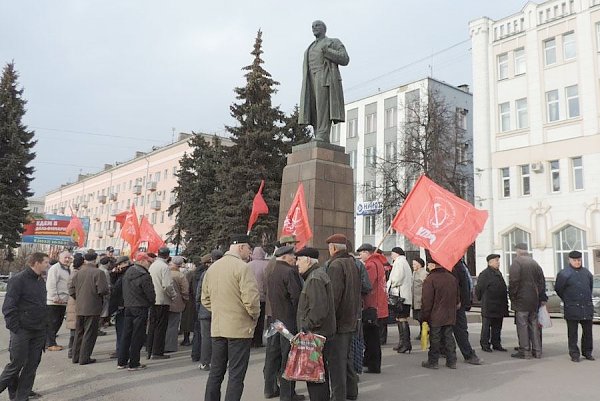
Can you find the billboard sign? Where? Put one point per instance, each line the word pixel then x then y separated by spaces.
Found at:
pixel 369 208
pixel 51 230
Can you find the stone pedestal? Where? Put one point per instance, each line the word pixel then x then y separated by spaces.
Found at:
pixel 325 171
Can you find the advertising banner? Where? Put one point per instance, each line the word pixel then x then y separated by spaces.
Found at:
pixel 51 229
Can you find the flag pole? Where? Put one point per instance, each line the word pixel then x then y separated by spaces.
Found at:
pixel 389 230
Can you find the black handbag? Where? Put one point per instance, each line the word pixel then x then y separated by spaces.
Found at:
pixel 395 300
pixel 369 316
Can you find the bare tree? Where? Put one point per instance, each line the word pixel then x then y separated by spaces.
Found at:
pixel 432 141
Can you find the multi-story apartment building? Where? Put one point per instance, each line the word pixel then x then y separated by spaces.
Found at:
pixel 145 181
pixel 536 88
pixel 375 130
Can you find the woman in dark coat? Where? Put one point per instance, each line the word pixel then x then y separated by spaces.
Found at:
pixel 492 291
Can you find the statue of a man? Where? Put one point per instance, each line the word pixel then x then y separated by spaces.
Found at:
pixel 322 98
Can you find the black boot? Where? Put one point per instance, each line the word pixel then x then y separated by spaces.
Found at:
pixel 405 339
pixel 400 335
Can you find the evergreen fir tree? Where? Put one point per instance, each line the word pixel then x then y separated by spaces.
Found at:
pixel 194 196
pixel 16 143
pixel 258 154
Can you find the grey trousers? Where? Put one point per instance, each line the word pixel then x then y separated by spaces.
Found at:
pixel 528 332
pixel 172 335
pixel 205 342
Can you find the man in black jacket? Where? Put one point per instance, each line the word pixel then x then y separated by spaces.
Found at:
pixel 138 297
pixel 24 312
pixel 491 290
pixel 461 328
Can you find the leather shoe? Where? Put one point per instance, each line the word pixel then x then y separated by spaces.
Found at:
pixel 91 360
pixel 520 355
pixel 574 359
pixel 500 348
pixel 451 365
pixel 429 365
pixel 589 357
pixel 160 356
pixel 474 360
pixel 486 349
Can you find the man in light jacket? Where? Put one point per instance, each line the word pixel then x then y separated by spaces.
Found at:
pixel 230 293
pixel 400 284
pixel 57 289
pixel 159 313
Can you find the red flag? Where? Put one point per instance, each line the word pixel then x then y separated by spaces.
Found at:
pixel 75 230
pixel 259 206
pixel 296 221
pixel 149 235
pixel 440 221
pixel 130 228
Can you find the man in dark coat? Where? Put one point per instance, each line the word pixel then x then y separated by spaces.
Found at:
pixel 316 311
pixel 527 291
pixel 574 286
pixel 461 328
pixel 88 287
pixel 138 298
pixel 440 300
pixel 492 291
pixel 284 287
pixel 346 286
pixel 24 310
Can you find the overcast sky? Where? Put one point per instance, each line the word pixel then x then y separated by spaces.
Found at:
pixel 129 71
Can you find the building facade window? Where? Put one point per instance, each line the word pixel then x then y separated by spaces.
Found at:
pixel 370 157
pixel 391 117
pixel 352 129
pixel 370 123
pixel 505 178
pixel 503 66
pixel 525 180
pixel 369 191
pixel 572 96
pixel 369 225
pixel 522 116
pixel 509 240
pixel 567 239
pixel 504 115
pixel 335 132
pixel 569 46
pixel 520 62
pixel 352 155
pixel 555 175
pixel 577 167
pixel 461 118
pixel 391 152
pixel 550 51
pixel 552 107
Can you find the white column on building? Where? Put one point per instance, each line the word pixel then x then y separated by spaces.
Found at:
pixel 482 135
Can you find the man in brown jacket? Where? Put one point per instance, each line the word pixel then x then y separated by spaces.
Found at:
pixel 441 299
pixel 345 280
pixel 88 287
pixel 230 292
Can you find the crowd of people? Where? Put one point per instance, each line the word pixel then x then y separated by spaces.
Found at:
pixel 228 300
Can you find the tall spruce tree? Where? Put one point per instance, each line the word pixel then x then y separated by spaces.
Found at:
pixel 194 196
pixel 16 143
pixel 258 153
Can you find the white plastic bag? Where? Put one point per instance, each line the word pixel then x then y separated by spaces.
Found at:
pixel 544 317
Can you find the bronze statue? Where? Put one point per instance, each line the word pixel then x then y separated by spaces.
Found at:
pixel 322 97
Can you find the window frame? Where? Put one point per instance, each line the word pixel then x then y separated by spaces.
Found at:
pixel 525 174
pixel 391 119
pixel 502 60
pixel 571 43
pixel 569 99
pixel 520 60
pixel 561 253
pixel 575 170
pixel 554 175
pixel 371 156
pixel 548 49
pixel 352 129
pixel 369 226
pixel 509 239
pixel 549 104
pixel 522 114
pixel 504 180
pixel 371 123
pixel 502 115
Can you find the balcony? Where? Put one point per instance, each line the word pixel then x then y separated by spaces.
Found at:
pixel 102 199
pixel 75 206
pixel 99 234
pixel 110 233
pixel 155 205
pixel 137 189
pixel 97 218
pixel 84 205
pixel 61 210
pixel 112 197
pixel 151 186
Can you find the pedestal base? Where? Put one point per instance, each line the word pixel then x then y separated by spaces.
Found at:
pixel 324 169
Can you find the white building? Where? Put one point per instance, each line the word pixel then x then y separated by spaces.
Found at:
pixel 374 130
pixel 536 132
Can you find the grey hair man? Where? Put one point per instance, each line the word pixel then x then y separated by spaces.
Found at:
pixel 57 289
pixel 527 291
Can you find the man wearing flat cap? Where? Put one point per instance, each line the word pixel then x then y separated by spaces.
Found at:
pixel 159 313
pixel 527 291
pixel 316 312
pixel 230 293
pixel 492 291
pixel 283 289
pixel 345 278
pixel 574 285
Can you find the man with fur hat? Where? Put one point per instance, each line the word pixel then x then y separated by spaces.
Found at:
pixel 346 286
pixel 574 285
pixel 88 287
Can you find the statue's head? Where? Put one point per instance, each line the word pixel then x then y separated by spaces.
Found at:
pixel 319 28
